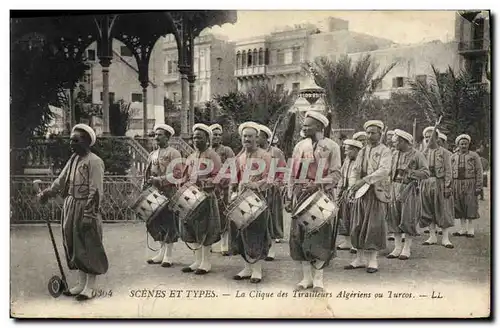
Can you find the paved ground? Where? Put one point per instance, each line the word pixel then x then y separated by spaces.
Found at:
pixel 461 276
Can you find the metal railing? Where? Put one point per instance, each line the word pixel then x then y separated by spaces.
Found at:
pixel 120 192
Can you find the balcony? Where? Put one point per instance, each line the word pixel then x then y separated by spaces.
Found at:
pixel 284 69
pixel 171 78
pixel 251 71
pixel 473 47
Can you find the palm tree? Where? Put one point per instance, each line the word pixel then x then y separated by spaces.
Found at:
pixel 349 86
pixel 459 98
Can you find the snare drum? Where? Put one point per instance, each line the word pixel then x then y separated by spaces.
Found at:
pixel 187 201
pixel 245 209
pixel 315 211
pixel 148 207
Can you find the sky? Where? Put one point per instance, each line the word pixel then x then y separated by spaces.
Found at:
pixel 398 26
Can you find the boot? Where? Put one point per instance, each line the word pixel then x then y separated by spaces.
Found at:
pixel 446 239
pixel 405 254
pixel 307 280
pixel 398 246
pixel 159 256
pixel 198 257
pixel 373 263
pixel 205 264
pixel 88 291
pixel 167 259
pixel 245 273
pixel 318 286
pixel 256 272
pixel 82 281
pixel 432 238
pixel 359 261
pixel 272 252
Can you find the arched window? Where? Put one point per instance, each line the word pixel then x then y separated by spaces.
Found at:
pixel 249 57
pixel 261 56
pixel 255 58
pixel 244 59
pixel 238 59
pixel 266 57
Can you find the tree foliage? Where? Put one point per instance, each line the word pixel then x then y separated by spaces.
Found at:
pixel 39 73
pixel 348 85
pixel 261 104
pixel 463 103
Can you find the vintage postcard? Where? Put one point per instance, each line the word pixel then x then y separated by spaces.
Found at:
pixel 250 164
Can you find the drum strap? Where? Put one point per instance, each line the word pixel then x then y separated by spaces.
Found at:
pixel 334 240
pixel 147 243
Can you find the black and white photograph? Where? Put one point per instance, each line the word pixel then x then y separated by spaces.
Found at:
pixel 247 164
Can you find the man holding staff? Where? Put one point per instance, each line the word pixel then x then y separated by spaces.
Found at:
pixel 81 185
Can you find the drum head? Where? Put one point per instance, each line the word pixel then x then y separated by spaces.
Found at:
pixel 361 191
pixel 305 204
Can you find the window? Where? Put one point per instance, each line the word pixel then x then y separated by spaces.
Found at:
pixel 91 55
pixel 238 59
pixel 296 87
pixel 249 62
pixel 422 79
pixel 137 97
pixel 266 57
pixel 125 51
pixel 280 57
pixel 244 59
pixel 169 71
pixel 398 82
pixel 261 57
pixel 296 54
pixel 255 58
pixel 279 88
pixel 111 97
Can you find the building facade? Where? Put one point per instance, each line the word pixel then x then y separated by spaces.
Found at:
pixel 278 58
pixel 213 68
pixel 413 62
pixel 124 83
pixel 472 32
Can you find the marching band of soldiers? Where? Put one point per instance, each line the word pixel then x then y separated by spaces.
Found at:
pixel 385 187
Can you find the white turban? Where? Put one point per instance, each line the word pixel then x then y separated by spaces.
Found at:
pixel 88 130
pixel 378 123
pixel 203 127
pixel 442 136
pixel 428 129
pixel 248 124
pixel 215 127
pixel 354 143
pixel 462 136
pixel 359 134
pixel 266 130
pixel 318 117
pixel 405 135
pixel 165 127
